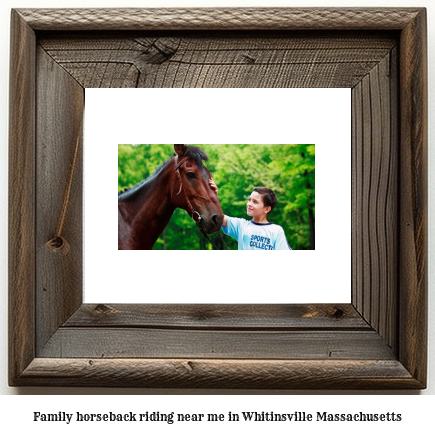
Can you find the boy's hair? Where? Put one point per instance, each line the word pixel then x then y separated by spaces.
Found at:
pixel 268 196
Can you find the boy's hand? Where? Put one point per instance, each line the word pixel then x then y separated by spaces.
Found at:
pixel 213 185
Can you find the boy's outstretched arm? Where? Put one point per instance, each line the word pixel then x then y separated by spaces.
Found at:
pixel 214 187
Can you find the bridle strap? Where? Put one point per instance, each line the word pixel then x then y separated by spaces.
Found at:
pixel 182 161
pixel 209 239
pixel 198 223
pixel 177 171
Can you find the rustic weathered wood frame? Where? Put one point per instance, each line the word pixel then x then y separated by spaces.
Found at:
pixel 377 341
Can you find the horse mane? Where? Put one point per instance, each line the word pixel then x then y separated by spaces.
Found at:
pixel 191 151
pixel 197 154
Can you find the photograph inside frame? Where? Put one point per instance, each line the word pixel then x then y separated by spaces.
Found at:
pixel 265 199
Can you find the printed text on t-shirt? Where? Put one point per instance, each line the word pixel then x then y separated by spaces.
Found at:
pixel 260 242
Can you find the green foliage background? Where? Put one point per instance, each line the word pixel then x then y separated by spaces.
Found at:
pixel 289 170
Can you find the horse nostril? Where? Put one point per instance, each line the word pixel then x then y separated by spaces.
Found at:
pixel 214 219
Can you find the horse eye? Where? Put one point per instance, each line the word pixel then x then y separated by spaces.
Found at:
pixel 191 175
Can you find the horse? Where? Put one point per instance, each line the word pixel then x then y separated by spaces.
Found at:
pixel 180 182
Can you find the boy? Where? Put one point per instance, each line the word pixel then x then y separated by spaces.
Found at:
pixel 258 233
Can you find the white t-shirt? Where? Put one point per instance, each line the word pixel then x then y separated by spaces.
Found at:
pixel 256 236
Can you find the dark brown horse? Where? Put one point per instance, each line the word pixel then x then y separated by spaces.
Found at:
pixel 180 182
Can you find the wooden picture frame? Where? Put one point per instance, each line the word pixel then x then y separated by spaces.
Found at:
pixel 377 341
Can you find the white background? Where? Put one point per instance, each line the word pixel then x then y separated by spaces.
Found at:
pixel 14 411
pixel 319 116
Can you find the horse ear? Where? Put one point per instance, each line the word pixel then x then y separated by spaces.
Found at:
pixel 180 150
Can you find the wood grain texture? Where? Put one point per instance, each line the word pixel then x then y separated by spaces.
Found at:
pixel 21 197
pixel 220 18
pixel 59 280
pixel 375 198
pixel 236 60
pixel 95 342
pixel 413 187
pixel 229 374
pixel 220 317
pixel 378 342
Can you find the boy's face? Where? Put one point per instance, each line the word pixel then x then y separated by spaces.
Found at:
pixel 255 206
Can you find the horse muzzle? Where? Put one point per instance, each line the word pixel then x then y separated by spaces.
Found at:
pixel 210 225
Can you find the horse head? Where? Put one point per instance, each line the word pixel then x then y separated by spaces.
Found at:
pixel 191 190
